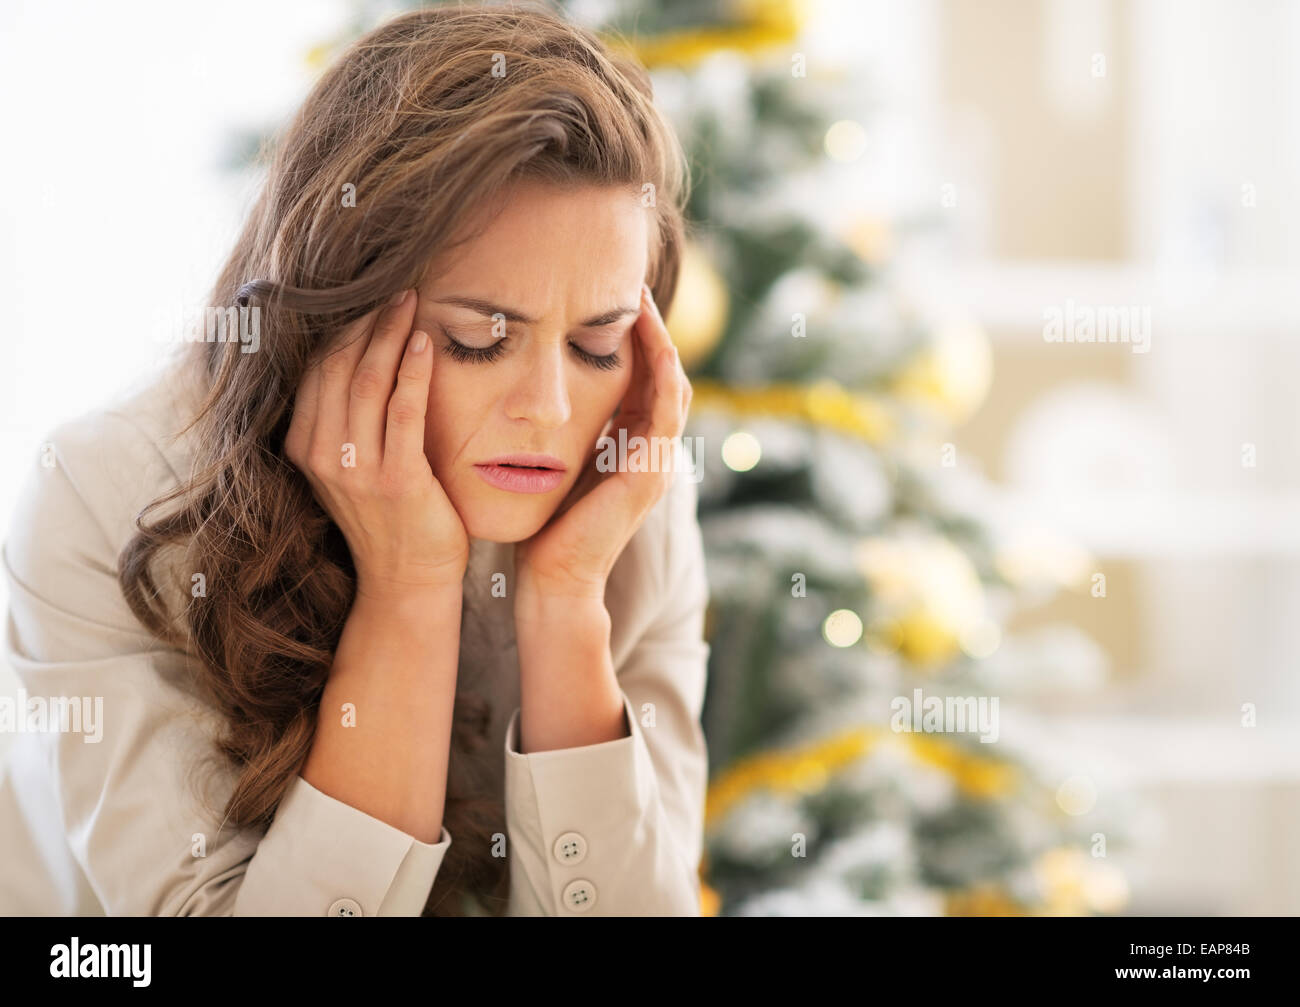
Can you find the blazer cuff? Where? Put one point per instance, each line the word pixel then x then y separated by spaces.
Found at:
pixel 584 827
pixel 323 857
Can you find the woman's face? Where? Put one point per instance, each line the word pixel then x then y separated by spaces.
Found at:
pixel 562 271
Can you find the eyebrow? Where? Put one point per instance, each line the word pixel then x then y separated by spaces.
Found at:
pixel 510 315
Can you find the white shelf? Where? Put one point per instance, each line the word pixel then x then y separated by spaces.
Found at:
pixel 1009 299
pixel 1165 523
pixel 1199 751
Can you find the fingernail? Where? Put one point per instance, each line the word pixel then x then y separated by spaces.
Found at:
pixel 418 341
pixel 398 298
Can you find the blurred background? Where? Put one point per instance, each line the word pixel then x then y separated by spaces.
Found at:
pixel 991 314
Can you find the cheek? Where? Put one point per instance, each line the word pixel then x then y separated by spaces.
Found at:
pixel 448 403
pixel 616 391
pixel 600 401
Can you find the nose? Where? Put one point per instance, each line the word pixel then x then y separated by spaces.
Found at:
pixel 541 395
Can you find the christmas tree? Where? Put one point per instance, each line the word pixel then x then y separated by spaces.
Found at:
pixel 854 579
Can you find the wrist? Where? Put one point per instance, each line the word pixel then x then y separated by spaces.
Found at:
pixel 402 595
pixel 537 587
pixel 537 607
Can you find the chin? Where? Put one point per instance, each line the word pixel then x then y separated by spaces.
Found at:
pixel 502 521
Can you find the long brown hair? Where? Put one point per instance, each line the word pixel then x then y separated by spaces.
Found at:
pixel 424 119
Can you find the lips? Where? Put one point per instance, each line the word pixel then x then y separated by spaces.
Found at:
pixel 527 461
pixel 516 478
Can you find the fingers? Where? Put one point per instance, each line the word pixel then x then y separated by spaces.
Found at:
pixel 303 421
pixel 641 394
pixel 373 381
pixel 330 431
pixel 404 433
pixel 654 406
pixel 634 409
pixel 670 394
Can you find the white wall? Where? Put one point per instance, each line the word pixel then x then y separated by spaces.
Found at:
pixel 114 125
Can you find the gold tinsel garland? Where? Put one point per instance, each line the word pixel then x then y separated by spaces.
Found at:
pixel 756 26
pixel 809 768
pixel 823 403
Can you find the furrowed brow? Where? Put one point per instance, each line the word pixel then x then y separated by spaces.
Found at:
pixel 609 317
pixel 488 309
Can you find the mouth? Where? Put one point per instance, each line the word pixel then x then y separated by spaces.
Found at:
pixel 527 461
pixel 523 473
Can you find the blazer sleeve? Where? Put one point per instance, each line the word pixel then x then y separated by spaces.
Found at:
pixel 616 828
pixel 142 805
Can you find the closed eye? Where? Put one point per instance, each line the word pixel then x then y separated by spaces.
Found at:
pixel 609 362
pixel 487 354
pixel 469 354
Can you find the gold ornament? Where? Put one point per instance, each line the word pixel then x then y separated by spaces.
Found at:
pixel 1075 884
pixel 699 309
pixel 871 238
pixel 951 376
pixel 984 899
pixel 710 900
pixel 927 595
pixel 922 638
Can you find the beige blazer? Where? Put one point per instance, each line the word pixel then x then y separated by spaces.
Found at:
pixel 129 823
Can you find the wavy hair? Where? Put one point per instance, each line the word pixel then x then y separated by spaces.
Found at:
pixel 428 118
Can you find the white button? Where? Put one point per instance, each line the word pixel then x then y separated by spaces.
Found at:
pixel 345 907
pixel 579 896
pixel 570 849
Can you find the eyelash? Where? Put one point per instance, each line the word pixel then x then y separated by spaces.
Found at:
pixel 467 354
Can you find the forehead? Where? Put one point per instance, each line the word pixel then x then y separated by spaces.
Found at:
pixel 550 246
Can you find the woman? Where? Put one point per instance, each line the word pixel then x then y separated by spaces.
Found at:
pixel 356 657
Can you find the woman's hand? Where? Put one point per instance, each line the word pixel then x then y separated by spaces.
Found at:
pixel 572 555
pixel 357 433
